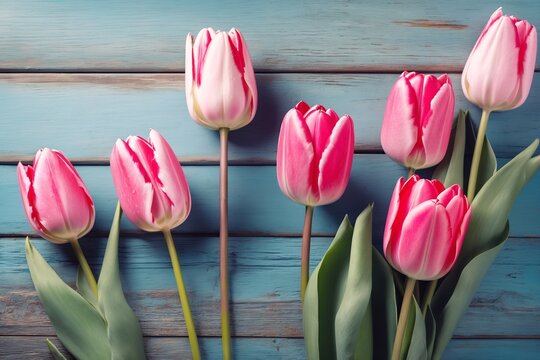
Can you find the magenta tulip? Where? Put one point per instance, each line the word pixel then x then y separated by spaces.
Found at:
pixel 314 156
pixel 418 120
pixel 425 227
pixel 220 82
pixel 150 183
pixel 55 199
pixel 500 68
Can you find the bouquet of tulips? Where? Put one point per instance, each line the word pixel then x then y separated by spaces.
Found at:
pixel 438 241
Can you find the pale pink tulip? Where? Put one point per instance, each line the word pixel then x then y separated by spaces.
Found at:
pixel 425 227
pixel 418 120
pixel 500 68
pixel 150 183
pixel 221 91
pixel 55 199
pixel 315 152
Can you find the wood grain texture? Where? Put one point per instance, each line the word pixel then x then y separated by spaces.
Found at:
pixel 83 114
pixel 257 205
pixel 265 286
pixel 166 348
pixel 119 35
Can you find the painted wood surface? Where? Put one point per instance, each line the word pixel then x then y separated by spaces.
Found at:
pixel 76 75
pixel 84 114
pixel 506 305
pixel 282 35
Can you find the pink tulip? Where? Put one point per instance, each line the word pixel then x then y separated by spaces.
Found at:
pixel 425 227
pixel 500 68
pixel 315 152
pixel 220 83
pixel 418 120
pixel 150 183
pixel 55 199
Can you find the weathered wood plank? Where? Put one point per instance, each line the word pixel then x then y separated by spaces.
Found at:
pixel 256 202
pixel 506 305
pixel 166 348
pixel 282 35
pixel 83 114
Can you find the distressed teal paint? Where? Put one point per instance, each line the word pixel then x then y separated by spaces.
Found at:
pixel 84 114
pixel 282 35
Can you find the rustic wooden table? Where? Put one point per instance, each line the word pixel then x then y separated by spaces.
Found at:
pixel 76 75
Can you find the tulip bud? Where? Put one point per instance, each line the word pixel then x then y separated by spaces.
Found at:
pixel 499 71
pixel 220 82
pixel 425 227
pixel 55 199
pixel 315 152
pixel 418 120
pixel 150 183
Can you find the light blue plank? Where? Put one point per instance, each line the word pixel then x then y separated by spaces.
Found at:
pixel 282 35
pixel 256 202
pixel 166 348
pixel 264 275
pixel 84 114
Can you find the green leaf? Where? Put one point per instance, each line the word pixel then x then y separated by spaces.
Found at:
pixel 84 288
pixel 123 329
pixel 450 170
pixel 319 301
pixel 57 355
pixel 431 331
pixel 79 326
pixel 351 342
pixel 418 346
pixel 468 282
pixel 383 299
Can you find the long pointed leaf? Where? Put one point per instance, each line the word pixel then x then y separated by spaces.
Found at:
pixel 124 331
pixel 84 288
pixel 383 296
pixel 418 346
pixel 351 342
pixel 450 170
pixel 77 323
pixel 319 301
pixel 57 355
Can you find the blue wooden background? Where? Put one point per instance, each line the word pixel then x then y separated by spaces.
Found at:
pixel 76 75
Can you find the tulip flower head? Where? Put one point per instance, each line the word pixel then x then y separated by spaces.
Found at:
pixel 418 120
pixel 55 199
pixel 150 183
pixel 499 71
pixel 315 152
pixel 221 91
pixel 425 227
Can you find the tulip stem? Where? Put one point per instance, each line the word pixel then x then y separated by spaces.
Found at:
pixel 306 244
pixel 90 279
pixel 477 155
pixel 192 334
pixel 223 247
pixel 403 315
pixel 432 286
pixel 410 172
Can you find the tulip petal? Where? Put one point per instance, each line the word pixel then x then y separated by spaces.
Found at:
pixel 320 126
pixel 391 217
pixel 189 74
pixel 249 73
pixel 526 62
pixel 221 96
pixel 295 160
pixel 425 241
pixel 400 122
pixel 133 186
pixel 172 180
pixel 437 125
pixel 60 196
pixel 336 161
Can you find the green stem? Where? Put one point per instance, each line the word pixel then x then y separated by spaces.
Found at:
pixel 192 334
pixel 403 314
pixel 410 172
pixel 432 286
pixel 306 240
pixel 90 279
pixel 477 155
pixel 223 244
